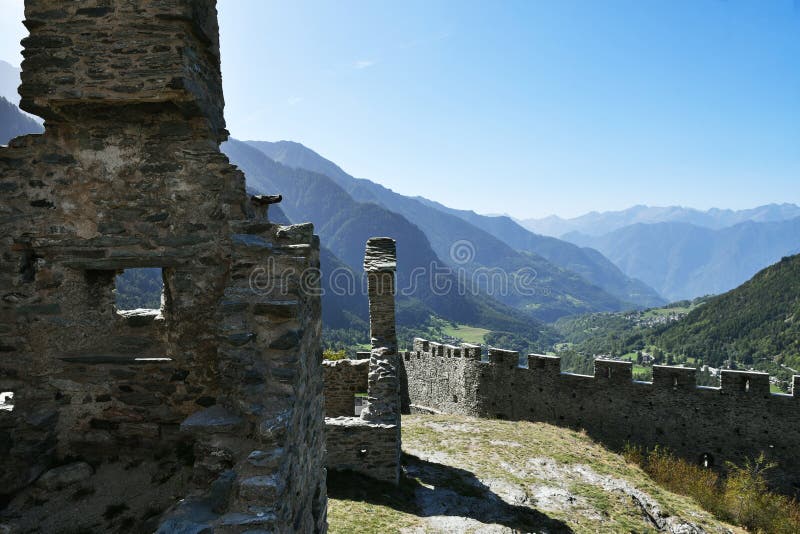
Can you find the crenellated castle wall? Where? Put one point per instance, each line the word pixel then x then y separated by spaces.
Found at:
pixel 735 421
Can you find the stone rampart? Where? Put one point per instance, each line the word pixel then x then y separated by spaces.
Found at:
pixel 710 425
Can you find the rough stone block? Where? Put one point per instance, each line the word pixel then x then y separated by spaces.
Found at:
pixel 614 371
pixel 674 377
pixel 66 475
pixel 748 383
pixel 548 365
pixel 504 358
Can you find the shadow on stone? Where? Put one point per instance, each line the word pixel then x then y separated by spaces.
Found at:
pixel 429 489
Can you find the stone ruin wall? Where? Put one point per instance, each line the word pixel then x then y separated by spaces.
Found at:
pixel 217 396
pixel 369 444
pixel 733 422
pixel 343 379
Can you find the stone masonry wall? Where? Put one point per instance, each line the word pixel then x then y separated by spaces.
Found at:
pixel 216 397
pixel 736 421
pixel 343 379
pixel 370 444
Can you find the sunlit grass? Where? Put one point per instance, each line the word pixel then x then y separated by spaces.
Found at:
pixel 469 334
pixel 511 452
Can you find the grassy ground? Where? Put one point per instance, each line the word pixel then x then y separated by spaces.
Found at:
pixel 465 474
pixel 656 312
pixel 470 334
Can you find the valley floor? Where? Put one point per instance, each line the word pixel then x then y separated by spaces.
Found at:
pixel 477 475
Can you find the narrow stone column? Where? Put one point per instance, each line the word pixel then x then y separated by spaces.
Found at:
pixel 383 388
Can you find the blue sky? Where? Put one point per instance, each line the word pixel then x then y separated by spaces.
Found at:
pixel 528 108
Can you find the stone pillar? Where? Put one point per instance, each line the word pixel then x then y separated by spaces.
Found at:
pixel 383 388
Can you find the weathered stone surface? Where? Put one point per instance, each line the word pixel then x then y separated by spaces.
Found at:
pixel 212 420
pixel 61 477
pixel 343 379
pixel 380 263
pixel 368 448
pixel 129 174
pixel 369 444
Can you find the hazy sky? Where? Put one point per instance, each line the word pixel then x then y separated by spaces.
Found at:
pixel 528 108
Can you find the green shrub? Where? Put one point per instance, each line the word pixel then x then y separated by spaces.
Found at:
pixel 329 354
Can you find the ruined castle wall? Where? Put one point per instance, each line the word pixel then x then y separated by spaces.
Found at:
pixel 730 423
pixel 129 174
pixel 370 444
pixel 441 377
pixel 343 379
pixel 362 447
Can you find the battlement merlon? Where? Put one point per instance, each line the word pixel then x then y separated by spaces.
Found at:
pixel 730 422
pixel 613 371
pixel 471 351
pixel 542 363
pixel 674 377
pixel 506 358
pixel 744 383
pixel 163 53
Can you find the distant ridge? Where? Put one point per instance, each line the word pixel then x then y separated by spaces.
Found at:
pixel 9 82
pixel 14 122
pixel 683 260
pixel 578 279
pixel 598 223
pixel 344 225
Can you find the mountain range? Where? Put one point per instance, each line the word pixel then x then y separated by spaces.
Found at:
pixel 14 122
pixel 568 280
pixel 598 223
pixel 9 81
pixel 606 261
pixel 683 260
pixel 344 225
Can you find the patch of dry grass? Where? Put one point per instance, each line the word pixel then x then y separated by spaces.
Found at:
pixel 530 457
pixel 742 497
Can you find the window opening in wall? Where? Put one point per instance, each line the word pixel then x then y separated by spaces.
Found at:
pixel 141 288
pixel 747 386
pixel 359 402
pixel 674 382
pixel 6 401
